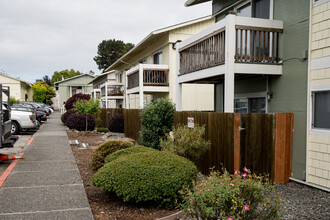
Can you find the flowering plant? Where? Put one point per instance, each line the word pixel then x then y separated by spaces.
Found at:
pixel 238 196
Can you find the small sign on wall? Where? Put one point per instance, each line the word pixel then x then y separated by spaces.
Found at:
pixel 191 123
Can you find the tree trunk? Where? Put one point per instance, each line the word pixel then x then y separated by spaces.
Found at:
pixel 86 122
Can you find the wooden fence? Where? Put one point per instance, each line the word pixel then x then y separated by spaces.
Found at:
pixel 132 124
pixel 261 142
pixel 107 113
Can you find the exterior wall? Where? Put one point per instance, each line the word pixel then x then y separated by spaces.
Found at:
pixel 64 87
pixel 289 89
pixel 318 154
pixel 18 89
pixel 165 44
pixel 199 97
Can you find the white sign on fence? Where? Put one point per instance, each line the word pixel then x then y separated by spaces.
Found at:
pixel 191 122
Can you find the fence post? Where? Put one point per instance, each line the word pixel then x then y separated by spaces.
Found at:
pixel 237 141
pixel 283 147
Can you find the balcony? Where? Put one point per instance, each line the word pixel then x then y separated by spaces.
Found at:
pixel 115 91
pixel 244 45
pixel 149 77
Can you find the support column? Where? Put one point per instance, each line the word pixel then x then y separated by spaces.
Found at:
pixel 106 94
pixel 141 86
pixel 178 96
pixel 126 94
pixel 230 64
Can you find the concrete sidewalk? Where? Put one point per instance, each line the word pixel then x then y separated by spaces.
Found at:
pixel 46 184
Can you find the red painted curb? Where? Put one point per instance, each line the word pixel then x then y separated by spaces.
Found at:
pixel 5 174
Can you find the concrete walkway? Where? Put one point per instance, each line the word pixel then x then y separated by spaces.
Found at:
pixel 46 184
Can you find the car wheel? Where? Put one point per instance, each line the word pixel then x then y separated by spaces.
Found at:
pixel 14 128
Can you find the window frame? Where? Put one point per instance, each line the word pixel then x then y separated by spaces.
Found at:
pixel 251 96
pixel 157 53
pixel 315 130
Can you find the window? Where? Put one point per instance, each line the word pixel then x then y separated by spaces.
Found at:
pixel 321 109
pixel 250 105
pixel 255 9
pixel 120 77
pixel 158 58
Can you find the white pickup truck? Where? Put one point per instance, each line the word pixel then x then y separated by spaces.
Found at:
pixel 21 120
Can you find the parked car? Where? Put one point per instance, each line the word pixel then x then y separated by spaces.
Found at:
pixel 41 116
pixel 37 107
pixel 23 120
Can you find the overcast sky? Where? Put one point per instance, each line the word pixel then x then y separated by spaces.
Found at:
pixel 38 37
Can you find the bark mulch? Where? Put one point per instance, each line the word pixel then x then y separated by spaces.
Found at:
pixel 104 205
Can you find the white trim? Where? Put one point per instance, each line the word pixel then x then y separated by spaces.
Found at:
pixel 265 69
pixel 320 63
pixel 320 2
pixel 202 74
pixel 132 91
pixel 86 74
pixel 315 88
pixel 156 89
pixel 313 130
pixel 318 131
pixel 309 96
pixel 259 22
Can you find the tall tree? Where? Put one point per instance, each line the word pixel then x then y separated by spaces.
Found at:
pixel 64 74
pixel 42 92
pixel 109 51
pixel 47 80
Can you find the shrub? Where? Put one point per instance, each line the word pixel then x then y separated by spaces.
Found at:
pixel 116 124
pixel 102 130
pixel 127 151
pixel 186 142
pixel 245 196
pixel 156 180
pixel 156 121
pixel 69 103
pixel 67 114
pixel 62 118
pixel 78 122
pixel 98 123
pixel 13 100
pixel 105 149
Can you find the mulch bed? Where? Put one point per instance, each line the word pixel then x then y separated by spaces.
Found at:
pixel 104 205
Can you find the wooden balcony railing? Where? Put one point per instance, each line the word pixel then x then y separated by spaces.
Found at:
pixel 205 53
pixel 257 45
pixel 133 80
pixel 151 77
pixel 155 77
pixel 115 91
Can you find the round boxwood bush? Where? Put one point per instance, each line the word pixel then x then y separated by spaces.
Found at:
pixel 148 177
pixel 109 147
pixel 67 114
pixel 69 103
pixel 78 122
pixel 127 151
pixel 116 124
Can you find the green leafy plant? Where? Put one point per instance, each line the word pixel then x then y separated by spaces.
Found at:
pixel 98 123
pixel 42 91
pixel 100 129
pixel 147 177
pixel 186 142
pixel 13 100
pixel 237 196
pixel 127 151
pixel 109 147
pixel 156 121
pixel 91 106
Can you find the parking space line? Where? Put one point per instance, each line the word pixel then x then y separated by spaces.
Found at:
pixel 5 174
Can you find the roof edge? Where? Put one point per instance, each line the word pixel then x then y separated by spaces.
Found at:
pixel 194 2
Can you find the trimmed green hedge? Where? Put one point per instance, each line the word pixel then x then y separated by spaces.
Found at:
pixel 127 151
pixel 148 177
pixel 105 149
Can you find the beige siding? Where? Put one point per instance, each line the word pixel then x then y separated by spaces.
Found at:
pixel 318 155
pixel 164 43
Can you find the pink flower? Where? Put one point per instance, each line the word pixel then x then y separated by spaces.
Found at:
pixel 244 175
pixel 201 185
pixel 246 207
pixel 236 172
pixel 190 199
pixel 246 169
pixel 208 189
pixel 230 218
pixel 231 184
pixel 188 209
